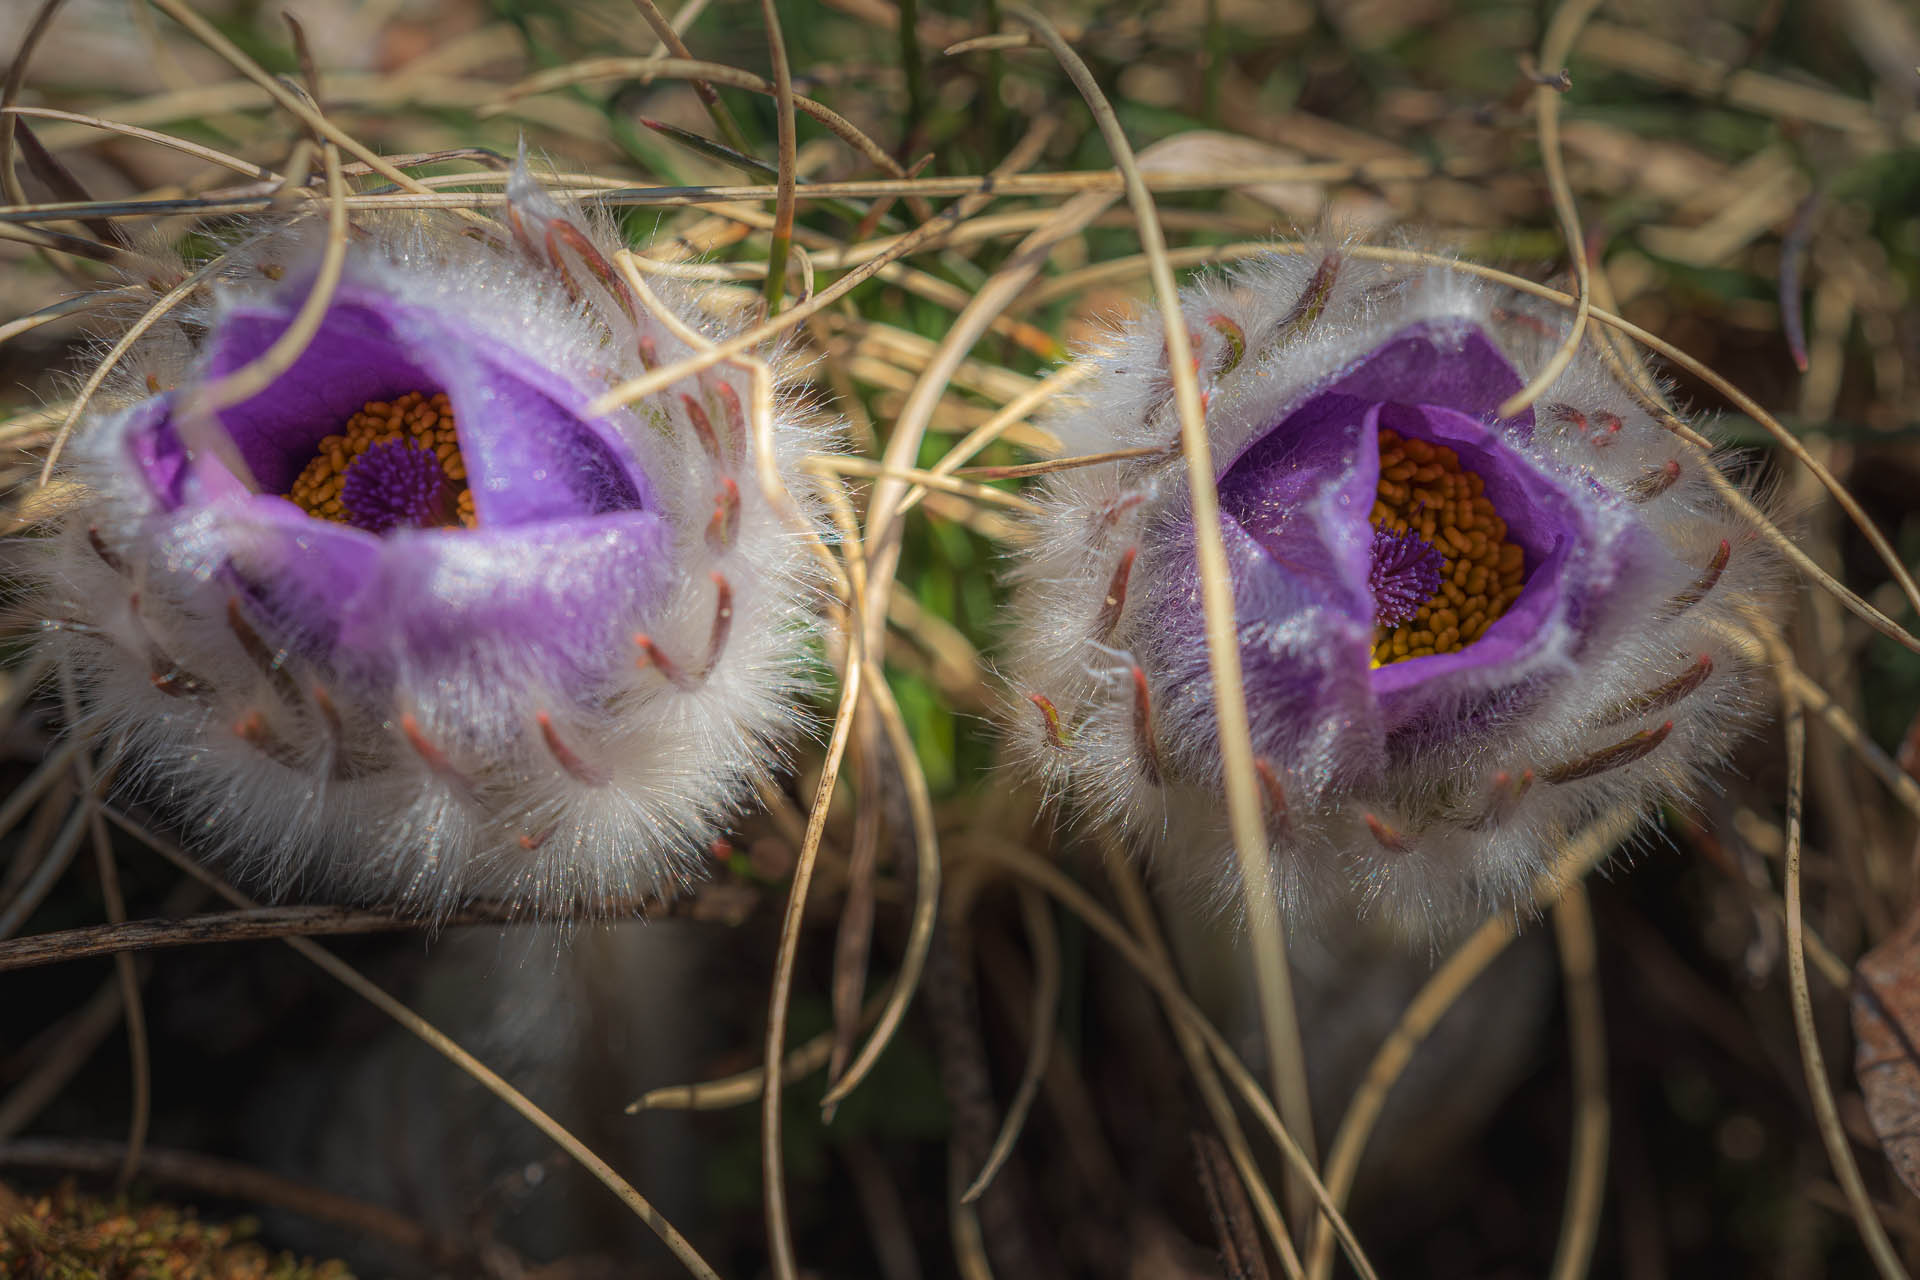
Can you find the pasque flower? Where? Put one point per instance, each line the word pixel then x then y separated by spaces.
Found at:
pixel 411 623
pixel 1461 635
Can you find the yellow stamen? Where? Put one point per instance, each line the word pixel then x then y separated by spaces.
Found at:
pixel 1423 487
pixel 423 421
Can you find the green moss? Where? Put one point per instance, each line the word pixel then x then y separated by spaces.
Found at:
pixel 65 1235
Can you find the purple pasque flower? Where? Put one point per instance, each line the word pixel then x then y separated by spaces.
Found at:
pixel 411 623
pixel 1461 636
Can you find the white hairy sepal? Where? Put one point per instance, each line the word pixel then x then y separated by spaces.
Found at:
pixel 1431 836
pixel 363 775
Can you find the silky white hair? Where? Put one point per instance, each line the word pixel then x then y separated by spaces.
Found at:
pixel 490 775
pixel 1434 828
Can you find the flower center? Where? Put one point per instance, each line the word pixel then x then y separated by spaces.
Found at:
pixel 1443 570
pixel 1406 573
pixel 393 465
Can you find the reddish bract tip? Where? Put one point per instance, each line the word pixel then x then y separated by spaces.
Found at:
pixel 724 527
pixel 1617 756
pixel 1385 836
pixel 702 426
pixel 434 758
pixel 1236 340
pixel 564 756
pixel 653 655
pixel 1143 725
pixel 1698 590
pixel 722 621
pixel 736 415
pixel 1273 796
pixel 1116 599
pixel 1654 482
pixel 1050 720
pixel 106 553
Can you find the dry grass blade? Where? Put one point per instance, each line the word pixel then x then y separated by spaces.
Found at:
pixel 1241 1257
pixel 926 901
pixel 772 1168
pixel 16 80
pixel 910 425
pixel 345 974
pixel 665 376
pixel 205 32
pixel 969 1242
pixel 1139 914
pixel 1046 1012
pixel 60 180
pixel 67 307
pixel 1011 414
pixel 671 41
pixel 61 242
pixel 131 1008
pixel 1245 811
pixel 1468 961
pixel 1166 986
pixel 1026 469
pixel 1564 30
pixel 52 866
pixel 98 376
pixel 35 784
pixel 420 194
pixel 782 242
pixel 970 489
pixel 198 415
pixel 743 1087
pixel 1586 1022
pixel 853 941
pixel 648 69
pixel 85 941
pixel 1826 1113
pixel 1902 784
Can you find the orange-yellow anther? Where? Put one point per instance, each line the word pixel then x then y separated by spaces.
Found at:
pixel 1423 487
pixel 422 421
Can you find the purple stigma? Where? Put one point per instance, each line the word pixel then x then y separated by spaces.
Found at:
pixel 1405 574
pixel 394 485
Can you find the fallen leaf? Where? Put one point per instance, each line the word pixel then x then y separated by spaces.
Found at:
pixel 1886 1060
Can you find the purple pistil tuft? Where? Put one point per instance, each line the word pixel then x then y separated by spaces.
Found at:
pixel 1405 574
pixel 394 485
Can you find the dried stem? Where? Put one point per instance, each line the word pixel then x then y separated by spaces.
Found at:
pixel 1825 1112
pixel 1564 30
pixel 772 1168
pixel 1244 810
pixel 782 242
pixel 344 973
pixel 1586 1025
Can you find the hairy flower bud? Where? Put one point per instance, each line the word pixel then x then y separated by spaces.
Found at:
pixel 410 622
pixel 1460 635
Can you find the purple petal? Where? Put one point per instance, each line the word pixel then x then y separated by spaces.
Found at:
pixel 568 590
pixel 1446 364
pixel 1299 498
pixel 531 453
pixel 569 554
pixel 1303 492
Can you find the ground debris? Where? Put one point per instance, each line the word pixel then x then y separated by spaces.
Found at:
pixel 1886 1029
